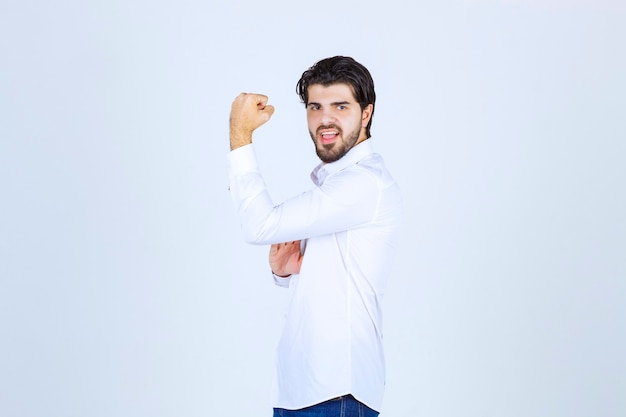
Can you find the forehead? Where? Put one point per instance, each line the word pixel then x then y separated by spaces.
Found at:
pixel 332 93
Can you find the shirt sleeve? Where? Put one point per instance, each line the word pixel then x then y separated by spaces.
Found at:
pixel 282 281
pixel 346 200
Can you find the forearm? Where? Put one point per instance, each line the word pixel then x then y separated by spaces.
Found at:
pixel 250 196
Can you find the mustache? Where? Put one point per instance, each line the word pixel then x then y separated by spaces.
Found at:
pixel 330 126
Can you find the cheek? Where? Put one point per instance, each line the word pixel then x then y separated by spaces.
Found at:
pixel 355 122
pixel 313 121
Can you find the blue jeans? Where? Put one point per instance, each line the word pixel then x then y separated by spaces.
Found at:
pixel 345 406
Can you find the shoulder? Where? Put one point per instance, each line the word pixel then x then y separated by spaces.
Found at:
pixel 357 182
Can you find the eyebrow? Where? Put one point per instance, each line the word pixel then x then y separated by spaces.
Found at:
pixel 335 103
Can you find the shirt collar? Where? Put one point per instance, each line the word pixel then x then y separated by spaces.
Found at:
pixel 354 155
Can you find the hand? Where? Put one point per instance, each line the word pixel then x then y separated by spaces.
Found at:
pixel 247 113
pixel 286 258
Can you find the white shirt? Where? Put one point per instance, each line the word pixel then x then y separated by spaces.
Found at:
pixel 331 343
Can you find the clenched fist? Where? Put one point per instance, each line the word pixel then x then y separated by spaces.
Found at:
pixel 248 112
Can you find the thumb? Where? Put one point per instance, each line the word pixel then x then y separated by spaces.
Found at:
pixel 268 111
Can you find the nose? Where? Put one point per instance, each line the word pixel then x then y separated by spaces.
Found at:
pixel 328 116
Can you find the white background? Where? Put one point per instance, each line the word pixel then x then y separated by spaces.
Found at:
pixel 126 288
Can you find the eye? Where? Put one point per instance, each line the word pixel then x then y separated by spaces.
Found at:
pixel 314 106
pixel 341 107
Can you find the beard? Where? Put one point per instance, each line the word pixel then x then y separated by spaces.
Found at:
pixel 336 150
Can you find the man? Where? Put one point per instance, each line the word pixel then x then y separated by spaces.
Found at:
pixel 331 246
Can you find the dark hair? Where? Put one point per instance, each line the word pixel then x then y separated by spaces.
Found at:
pixel 340 70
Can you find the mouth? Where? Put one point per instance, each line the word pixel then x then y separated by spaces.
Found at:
pixel 327 136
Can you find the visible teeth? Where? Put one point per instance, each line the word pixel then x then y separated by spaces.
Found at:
pixel 329 133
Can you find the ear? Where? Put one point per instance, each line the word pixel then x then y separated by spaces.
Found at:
pixel 366 114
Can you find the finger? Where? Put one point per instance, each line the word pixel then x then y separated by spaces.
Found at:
pixel 240 98
pixel 258 100
pixel 269 110
pixel 261 99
